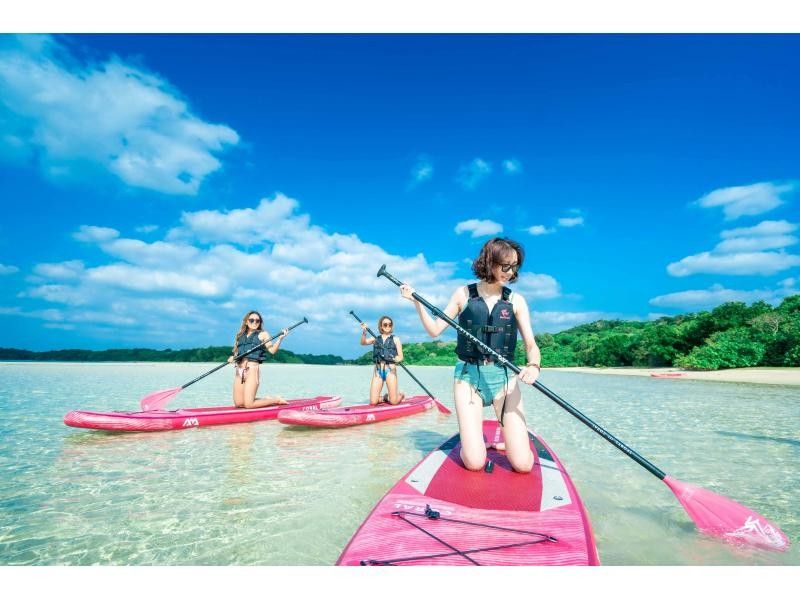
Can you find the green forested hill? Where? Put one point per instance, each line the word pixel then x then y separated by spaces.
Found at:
pixel 730 336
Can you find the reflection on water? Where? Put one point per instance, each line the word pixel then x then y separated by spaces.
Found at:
pixel 265 494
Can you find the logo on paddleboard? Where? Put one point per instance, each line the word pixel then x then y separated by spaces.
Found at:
pixel 191 422
pixel 370 417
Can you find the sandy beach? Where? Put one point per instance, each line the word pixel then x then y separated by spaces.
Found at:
pixel 783 376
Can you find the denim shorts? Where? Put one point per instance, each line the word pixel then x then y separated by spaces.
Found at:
pixel 488 379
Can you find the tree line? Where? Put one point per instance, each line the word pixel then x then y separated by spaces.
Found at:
pixel 732 335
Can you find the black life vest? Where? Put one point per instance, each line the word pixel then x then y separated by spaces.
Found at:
pixel 498 329
pixel 384 350
pixel 246 342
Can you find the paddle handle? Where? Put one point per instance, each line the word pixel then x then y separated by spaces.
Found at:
pixel 538 385
pixel 238 357
pixel 407 371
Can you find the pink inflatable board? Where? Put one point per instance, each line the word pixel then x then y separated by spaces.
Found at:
pixel 355 415
pixel 440 513
pixel 180 419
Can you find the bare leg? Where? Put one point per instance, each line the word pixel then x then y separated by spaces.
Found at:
pixel 469 410
pixel 375 387
pixel 391 385
pixel 515 430
pixel 238 389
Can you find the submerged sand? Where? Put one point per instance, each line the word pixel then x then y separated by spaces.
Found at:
pixel 784 376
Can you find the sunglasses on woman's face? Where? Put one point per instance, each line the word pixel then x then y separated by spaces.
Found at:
pixel 509 267
pixel 254 320
pixel 386 325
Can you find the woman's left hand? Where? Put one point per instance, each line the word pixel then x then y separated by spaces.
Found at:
pixel 529 374
pixel 285 332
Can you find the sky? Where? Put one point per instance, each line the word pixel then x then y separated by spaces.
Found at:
pixel 155 188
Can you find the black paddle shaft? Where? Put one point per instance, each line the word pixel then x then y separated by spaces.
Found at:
pixel 407 371
pixel 238 357
pixel 539 386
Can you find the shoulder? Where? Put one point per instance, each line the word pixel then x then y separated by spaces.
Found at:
pixel 517 300
pixel 263 335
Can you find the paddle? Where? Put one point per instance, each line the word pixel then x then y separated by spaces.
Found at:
pixel 159 399
pixel 439 406
pixel 713 514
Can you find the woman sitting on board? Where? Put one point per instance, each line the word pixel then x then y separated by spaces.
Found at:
pixel 247 375
pixel 387 350
pixel 493 313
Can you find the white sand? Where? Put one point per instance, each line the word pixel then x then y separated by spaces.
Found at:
pixel 787 376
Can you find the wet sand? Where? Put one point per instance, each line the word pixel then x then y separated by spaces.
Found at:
pixel 783 376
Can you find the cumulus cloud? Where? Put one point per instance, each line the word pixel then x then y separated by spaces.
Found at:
pixel 512 166
pixel 537 286
pixel 479 228
pixel 718 294
pixel 110 115
pixel 553 321
pixel 744 251
pixel 94 234
pixel 540 229
pixel 569 222
pixel 421 171
pixel 4 269
pixel 472 174
pixel 749 200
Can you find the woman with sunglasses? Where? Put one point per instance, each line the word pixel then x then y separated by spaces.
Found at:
pixel 387 350
pixel 247 375
pixel 494 314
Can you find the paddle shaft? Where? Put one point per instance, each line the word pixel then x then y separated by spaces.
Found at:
pixel 407 371
pixel 539 386
pixel 238 357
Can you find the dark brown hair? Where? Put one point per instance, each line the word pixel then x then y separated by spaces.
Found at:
pixel 381 319
pixel 496 252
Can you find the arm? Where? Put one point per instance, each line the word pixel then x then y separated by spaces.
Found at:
pixel 530 372
pixel 399 347
pixel 364 339
pixel 434 327
pixel 273 347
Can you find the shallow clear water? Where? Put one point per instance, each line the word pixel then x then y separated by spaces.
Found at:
pixel 264 494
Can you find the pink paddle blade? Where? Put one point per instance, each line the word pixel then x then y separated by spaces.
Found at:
pixel 441 407
pixel 158 399
pixel 724 518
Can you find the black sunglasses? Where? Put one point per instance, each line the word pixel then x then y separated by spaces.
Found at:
pixel 254 320
pixel 509 267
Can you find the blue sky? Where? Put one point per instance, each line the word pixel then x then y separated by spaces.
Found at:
pixel 156 187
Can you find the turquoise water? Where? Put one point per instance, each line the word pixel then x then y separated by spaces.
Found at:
pixel 264 494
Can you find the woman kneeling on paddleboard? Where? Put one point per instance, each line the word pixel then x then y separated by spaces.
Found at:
pixel 247 375
pixel 493 314
pixel 387 350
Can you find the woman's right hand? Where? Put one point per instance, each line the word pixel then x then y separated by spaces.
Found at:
pixel 406 291
pixel 363 326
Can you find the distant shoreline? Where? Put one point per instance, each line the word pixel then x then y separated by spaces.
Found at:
pixel 781 376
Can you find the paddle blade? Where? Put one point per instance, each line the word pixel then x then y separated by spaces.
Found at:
pixel 724 518
pixel 441 408
pixel 158 399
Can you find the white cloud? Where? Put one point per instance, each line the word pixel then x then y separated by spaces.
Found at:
pixel 421 171
pixel 512 166
pixel 554 321
pixel 95 234
pixel 744 251
pixel 537 286
pixel 4 269
pixel 147 228
pixel 112 115
pixel 69 270
pixel 717 294
pixel 765 263
pixel 539 229
pixel 470 175
pixel 749 200
pixel 569 222
pixel 479 228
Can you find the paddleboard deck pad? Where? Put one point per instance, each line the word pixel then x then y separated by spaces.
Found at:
pixel 440 513
pixel 181 419
pixel 356 415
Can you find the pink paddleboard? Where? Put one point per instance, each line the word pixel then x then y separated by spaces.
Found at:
pixel 443 514
pixel 355 415
pixel 154 421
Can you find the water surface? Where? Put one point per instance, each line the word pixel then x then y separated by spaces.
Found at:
pixel 266 494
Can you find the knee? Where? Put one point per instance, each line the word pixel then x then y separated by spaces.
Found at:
pixel 473 461
pixel 523 465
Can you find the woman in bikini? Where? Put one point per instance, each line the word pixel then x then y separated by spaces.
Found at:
pixel 494 314
pixel 247 375
pixel 387 350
